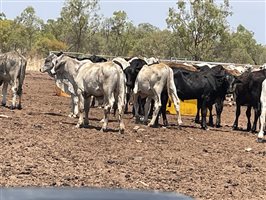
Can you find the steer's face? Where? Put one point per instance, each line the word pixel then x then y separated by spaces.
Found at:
pixel 49 63
pixel 131 74
pixel 231 83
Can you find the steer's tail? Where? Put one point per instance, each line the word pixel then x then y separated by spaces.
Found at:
pixel 171 89
pixel 120 97
pixel 21 76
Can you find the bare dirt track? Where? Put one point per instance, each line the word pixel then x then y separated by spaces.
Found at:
pixel 40 146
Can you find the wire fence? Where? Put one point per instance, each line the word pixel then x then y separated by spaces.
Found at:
pixel 34 64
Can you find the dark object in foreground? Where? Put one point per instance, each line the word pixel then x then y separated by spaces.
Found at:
pixel 86 193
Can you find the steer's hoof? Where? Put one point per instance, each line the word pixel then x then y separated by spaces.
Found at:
pixel 12 107
pixel 137 122
pixel 165 123
pixel 121 131
pixel 197 121
pixel 3 104
pixel 260 140
pixel 253 131
pixel 103 129
pixel 179 127
pixel 79 126
pixel 72 115
pixel 19 107
pixel 149 124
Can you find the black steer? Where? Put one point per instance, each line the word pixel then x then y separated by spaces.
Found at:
pixel 247 93
pixel 207 86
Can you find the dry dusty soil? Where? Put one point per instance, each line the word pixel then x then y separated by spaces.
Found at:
pixel 40 146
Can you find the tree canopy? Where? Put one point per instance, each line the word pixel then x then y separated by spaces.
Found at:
pixel 197 30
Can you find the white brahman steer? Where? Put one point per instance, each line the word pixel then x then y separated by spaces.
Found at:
pixel 65 81
pixel 12 71
pixel 105 80
pixel 150 82
pixel 263 111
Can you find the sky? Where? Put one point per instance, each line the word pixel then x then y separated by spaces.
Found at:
pixel 250 13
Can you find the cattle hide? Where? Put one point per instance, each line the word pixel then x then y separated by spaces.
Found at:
pixel 12 71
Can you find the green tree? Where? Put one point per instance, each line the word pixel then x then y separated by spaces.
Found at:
pixel 79 17
pixel 5 34
pixel 30 25
pixel 117 32
pixel 198 26
pixel 55 28
pixel 47 42
pixel 243 47
pixel 151 41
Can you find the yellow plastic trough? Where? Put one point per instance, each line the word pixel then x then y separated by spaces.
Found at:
pixel 60 93
pixel 187 107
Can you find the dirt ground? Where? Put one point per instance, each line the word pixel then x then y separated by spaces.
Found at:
pixel 40 146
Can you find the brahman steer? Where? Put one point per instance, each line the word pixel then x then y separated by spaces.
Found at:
pixel 65 83
pixel 150 82
pixel 12 71
pixel 105 80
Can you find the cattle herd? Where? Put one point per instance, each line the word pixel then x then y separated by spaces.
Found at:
pixel 150 84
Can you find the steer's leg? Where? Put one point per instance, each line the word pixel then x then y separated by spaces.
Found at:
pixel 219 110
pixel 203 114
pixel 164 99
pixel 257 112
pixel 4 93
pixel 108 104
pixel 147 108
pixel 80 123
pixel 120 107
pixel 136 108
pixel 197 118
pixel 87 101
pixel 248 114
pixel 157 106
pixel 72 106
pixel 210 116
pixel 235 126
pixel 19 106
pixel 262 123
pixel 75 106
pixel 14 89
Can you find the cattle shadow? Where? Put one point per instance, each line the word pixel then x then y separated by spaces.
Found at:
pixel 261 140
pixel 99 129
pixel 69 123
pixel 53 114
pixel 97 119
pixel 183 126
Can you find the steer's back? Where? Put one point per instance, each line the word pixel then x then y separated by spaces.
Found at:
pixel 12 66
pixel 94 77
pixel 152 75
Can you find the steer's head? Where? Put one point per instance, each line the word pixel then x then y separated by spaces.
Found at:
pixel 58 64
pixel 131 75
pixel 230 80
pixel 49 63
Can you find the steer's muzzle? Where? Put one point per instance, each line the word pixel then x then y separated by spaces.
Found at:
pixel 129 84
pixel 43 69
